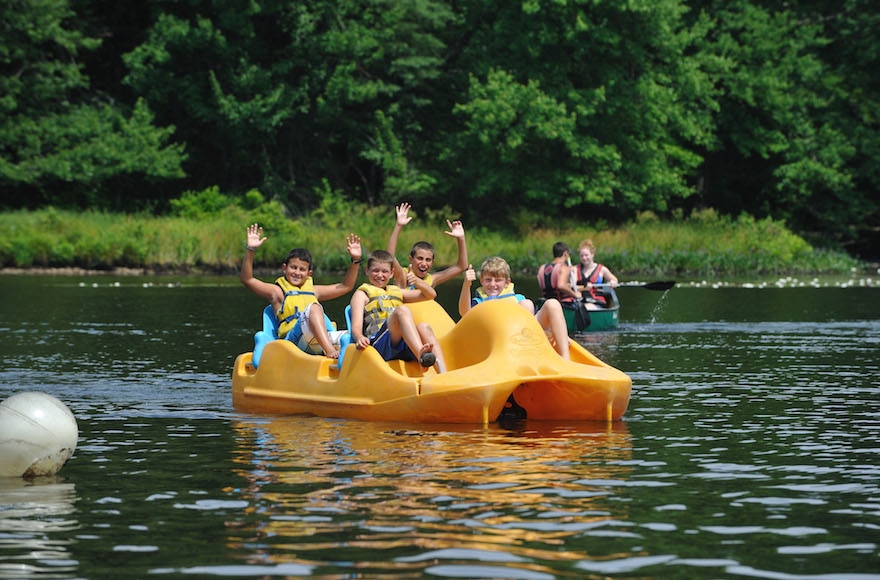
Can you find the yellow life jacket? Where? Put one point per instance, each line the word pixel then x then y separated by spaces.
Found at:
pixel 296 300
pixel 381 302
pixel 507 293
pixel 429 280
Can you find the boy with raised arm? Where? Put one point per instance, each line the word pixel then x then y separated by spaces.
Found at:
pixel 294 297
pixel 496 285
pixel 421 256
pixel 379 317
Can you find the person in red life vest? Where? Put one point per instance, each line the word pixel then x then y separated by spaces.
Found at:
pixel 555 279
pixel 588 274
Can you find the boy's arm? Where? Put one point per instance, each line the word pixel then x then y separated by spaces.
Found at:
pixel 402 219
pixel 358 302
pixel 262 289
pixel 328 292
pixel 423 290
pixel 456 230
pixel 464 298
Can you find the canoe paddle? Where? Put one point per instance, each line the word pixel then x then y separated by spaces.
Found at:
pixel 662 285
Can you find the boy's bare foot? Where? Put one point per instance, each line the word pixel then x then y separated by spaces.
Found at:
pixel 427 358
pixel 332 354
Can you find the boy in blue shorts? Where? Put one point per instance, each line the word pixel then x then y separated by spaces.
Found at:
pixel 379 317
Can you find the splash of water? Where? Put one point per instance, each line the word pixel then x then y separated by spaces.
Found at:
pixel 658 308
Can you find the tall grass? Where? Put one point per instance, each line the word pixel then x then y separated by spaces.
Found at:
pixel 703 243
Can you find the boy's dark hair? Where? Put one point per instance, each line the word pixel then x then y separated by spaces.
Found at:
pixel 559 249
pixel 381 256
pixel 300 254
pixel 420 246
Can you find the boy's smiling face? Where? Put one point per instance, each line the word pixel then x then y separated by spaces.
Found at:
pixel 493 285
pixel 296 271
pixel 421 262
pixel 379 273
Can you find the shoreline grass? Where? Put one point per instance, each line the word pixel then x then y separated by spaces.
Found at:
pixel 703 244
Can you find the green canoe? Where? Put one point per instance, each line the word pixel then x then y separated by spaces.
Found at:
pixel 602 319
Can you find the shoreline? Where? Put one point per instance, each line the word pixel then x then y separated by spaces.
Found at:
pixel 864 277
pixel 117 271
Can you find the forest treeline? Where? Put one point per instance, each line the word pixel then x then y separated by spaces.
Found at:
pixel 513 113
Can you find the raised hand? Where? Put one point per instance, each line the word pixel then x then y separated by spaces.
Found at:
pixel 354 247
pixel 255 236
pixel 456 230
pixel 402 214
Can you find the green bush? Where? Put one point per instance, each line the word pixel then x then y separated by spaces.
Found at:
pixel 206 234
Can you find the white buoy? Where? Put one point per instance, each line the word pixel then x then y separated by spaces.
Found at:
pixel 38 434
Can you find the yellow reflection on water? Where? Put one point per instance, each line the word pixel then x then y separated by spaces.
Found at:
pixel 319 485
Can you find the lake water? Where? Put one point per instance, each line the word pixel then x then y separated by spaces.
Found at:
pixel 751 449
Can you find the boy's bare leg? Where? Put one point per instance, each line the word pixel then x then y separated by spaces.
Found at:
pixel 401 324
pixel 551 317
pixel 528 305
pixel 316 324
pixel 432 345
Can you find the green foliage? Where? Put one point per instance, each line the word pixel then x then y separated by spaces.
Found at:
pixel 332 210
pixel 607 130
pixel 58 144
pixel 252 207
pixel 520 132
pixel 388 153
pixel 711 244
pixel 200 204
pixel 785 152
pixel 589 110
pixel 704 243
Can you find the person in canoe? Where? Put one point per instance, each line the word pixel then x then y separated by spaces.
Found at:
pixel 555 279
pixel 495 284
pixel 381 319
pixel 295 298
pixel 588 273
pixel 421 256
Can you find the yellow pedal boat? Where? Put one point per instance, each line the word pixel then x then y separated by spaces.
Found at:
pixel 496 350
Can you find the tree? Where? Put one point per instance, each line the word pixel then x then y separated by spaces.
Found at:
pixel 586 107
pixel 282 95
pixel 61 143
pixel 789 140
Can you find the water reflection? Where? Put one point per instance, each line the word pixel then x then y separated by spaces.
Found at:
pixel 33 514
pixel 320 486
pixel 749 450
